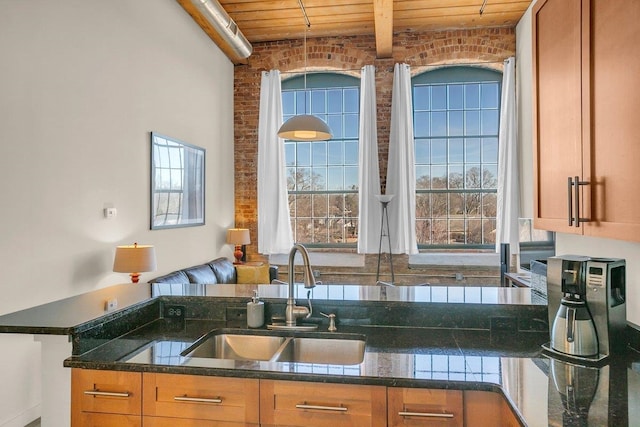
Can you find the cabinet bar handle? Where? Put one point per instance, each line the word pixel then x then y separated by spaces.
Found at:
pixel 425 414
pixel 197 399
pixel 570 200
pixel 577 199
pixel 322 408
pixel 107 393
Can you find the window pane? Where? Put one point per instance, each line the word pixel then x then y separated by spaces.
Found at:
pixel 335 178
pixel 303 179
pixel 473 205
pixel 319 153
pixel 456 204
pixel 335 153
pixel 301 99
pixel 472 122
pixel 489 119
pixel 351 100
pixel 303 154
pixel 421 95
pixel 472 96
pixel 456 96
pixel 335 124
pixel 290 154
pixel 439 97
pixel 422 177
pixel 490 176
pixel 472 150
pixel 456 123
pixel 351 152
pixel 334 101
pixel 351 126
pixel 472 176
pixel 350 177
pixel 490 150
pixel 303 205
pixel 288 103
pixel 422 151
pixel 439 206
pixel 456 176
pixel 439 177
pixel 474 231
pixel 489 95
pixel 319 179
pixel 439 124
pixel 439 151
pixel 456 151
pixel 318 102
pixel 421 124
pixel 320 205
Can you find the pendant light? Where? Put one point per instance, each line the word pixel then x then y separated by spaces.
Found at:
pixel 305 127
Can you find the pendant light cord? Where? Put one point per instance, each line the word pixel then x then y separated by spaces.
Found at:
pixel 308 25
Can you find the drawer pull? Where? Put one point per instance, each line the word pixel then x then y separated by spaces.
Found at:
pixel 425 414
pixel 322 408
pixel 198 399
pixel 107 393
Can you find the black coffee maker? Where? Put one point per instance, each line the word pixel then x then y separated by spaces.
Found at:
pixel 587 309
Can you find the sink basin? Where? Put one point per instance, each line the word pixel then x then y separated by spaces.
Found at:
pixel 237 347
pixel 324 348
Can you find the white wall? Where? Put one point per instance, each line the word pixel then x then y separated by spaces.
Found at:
pixel 566 243
pixel 82 83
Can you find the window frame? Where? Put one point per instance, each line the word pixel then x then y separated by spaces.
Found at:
pixel 325 81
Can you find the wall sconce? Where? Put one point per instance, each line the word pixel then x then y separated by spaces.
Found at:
pixel 134 259
pixel 238 237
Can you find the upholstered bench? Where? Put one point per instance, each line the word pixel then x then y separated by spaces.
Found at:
pixel 222 271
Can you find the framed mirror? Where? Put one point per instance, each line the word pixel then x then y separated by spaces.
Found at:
pixel 177 183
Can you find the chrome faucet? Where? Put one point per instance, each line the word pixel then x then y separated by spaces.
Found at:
pixel 293 311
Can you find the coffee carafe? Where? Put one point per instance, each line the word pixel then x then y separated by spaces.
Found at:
pixel 573 331
pixel 587 311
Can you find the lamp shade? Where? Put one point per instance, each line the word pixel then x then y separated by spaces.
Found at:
pixel 134 259
pixel 305 127
pixel 238 236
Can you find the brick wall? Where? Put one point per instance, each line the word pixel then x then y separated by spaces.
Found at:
pixel 421 51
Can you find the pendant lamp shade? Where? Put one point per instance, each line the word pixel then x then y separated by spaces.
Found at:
pixel 305 127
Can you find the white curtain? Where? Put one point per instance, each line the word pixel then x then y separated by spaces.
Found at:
pixel 274 225
pixel 508 210
pixel 401 180
pixel 369 170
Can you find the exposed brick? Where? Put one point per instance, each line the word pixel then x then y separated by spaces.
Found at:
pixel 347 54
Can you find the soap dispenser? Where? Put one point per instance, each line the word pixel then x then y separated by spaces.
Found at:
pixel 255 311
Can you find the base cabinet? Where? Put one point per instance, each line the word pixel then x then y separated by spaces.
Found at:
pixel 425 407
pixel 133 399
pixel 293 403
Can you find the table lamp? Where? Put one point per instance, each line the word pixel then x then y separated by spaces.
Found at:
pixel 238 237
pixel 134 259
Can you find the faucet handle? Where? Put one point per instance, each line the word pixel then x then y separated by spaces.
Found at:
pixel 332 321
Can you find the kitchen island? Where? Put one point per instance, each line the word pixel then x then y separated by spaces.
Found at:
pixel 432 338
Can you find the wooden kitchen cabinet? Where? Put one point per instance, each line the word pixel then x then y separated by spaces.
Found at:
pixel 488 409
pixel 586 57
pixel 296 403
pixel 191 400
pixel 105 398
pixel 424 407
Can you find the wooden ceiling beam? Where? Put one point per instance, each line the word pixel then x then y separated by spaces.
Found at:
pixel 383 23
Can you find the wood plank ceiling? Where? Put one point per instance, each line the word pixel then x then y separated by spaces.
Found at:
pixel 270 20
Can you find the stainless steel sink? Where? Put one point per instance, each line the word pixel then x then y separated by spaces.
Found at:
pixel 325 348
pixel 237 347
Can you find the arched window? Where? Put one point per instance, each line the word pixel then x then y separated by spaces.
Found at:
pixel 323 175
pixel 456 122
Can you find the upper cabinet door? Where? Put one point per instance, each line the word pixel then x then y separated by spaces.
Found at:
pixel 612 121
pixel 557 61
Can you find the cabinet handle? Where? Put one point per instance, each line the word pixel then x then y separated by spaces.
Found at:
pixel 577 199
pixel 198 399
pixel 107 393
pixel 570 200
pixel 425 414
pixel 322 408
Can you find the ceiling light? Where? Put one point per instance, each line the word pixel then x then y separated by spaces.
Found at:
pixel 305 127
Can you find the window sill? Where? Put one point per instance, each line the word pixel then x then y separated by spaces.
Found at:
pixel 440 259
pixel 323 259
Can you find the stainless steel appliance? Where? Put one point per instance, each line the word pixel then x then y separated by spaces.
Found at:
pixel 587 308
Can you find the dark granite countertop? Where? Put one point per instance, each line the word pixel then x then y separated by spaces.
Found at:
pixel 432 337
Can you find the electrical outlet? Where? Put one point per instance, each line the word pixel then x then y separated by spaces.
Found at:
pixel 111 304
pixel 174 311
